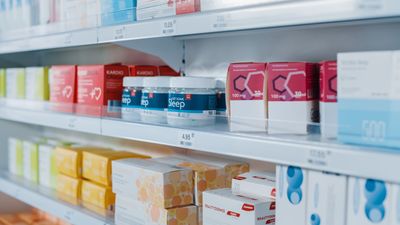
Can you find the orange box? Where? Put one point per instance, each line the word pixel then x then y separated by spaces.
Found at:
pixel 11 219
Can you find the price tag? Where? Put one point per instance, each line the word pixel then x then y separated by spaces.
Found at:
pixel 221 22
pixel 72 123
pixel 168 27
pixel 186 138
pixel 68 215
pixel 319 157
pixel 120 33
pixel 370 5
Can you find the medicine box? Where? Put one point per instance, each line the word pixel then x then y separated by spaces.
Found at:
pixel 168 71
pixel 292 97
pixel 98 195
pixel 151 9
pixel 63 86
pixel 328 99
pixel 246 96
pixel 2 83
pixel 37 83
pixel 47 165
pixel 115 12
pixel 326 198
pixel 15 82
pixel 369 90
pixel 96 166
pixel 206 176
pixel 68 186
pixel 149 181
pixel 291 198
pixel 15 156
pixel 395 210
pixel 255 185
pixel 222 207
pixel 129 211
pixel 99 85
pixel 187 6
pixel 369 202
pixel 69 159
pixel 31 161
pixel 143 71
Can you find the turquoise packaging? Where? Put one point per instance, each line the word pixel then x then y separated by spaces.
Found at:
pixel 119 11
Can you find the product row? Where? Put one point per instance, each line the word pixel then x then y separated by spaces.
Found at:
pixel 30 217
pixel 75 14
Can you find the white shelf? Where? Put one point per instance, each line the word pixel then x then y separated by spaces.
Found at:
pixel 46 200
pixel 286 13
pixel 300 150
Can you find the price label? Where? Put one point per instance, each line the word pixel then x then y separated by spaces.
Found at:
pixel 370 5
pixel 72 123
pixel 168 27
pixel 221 22
pixel 119 33
pixel 186 138
pixel 318 157
pixel 68 215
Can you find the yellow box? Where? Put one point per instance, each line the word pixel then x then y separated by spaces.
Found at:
pixel 69 186
pixel 97 165
pixel 98 195
pixel 206 176
pixel 69 159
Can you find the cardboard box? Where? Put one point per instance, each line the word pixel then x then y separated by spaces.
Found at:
pixel 328 99
pixel 143 71
pixel 168 71
pixel 2 83
pixel 292 97
pixel 37 83
pixel 128 212
pixel 63 84
pixel 11 219
pixel 47 165
pixel 115 12
pixel 98 195
pixel 148 181
pixel 69 159
pixel 68 186
pixel 31 161
pixel 222 207
pixel 368 98
pixel 327 195
pixel 15 80
pixel 15 156
pixel 369 202
pixel 187 6
pixel 96 166
pixel 291 196
pixel 99 85
pixel 255 185
pixel 206 176
pixel 246 96
pixel 151 9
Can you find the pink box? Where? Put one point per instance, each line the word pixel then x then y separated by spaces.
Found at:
pixel 187 6
pixel 292 97
pixel 63 87
pixel 247 99
pixel 99 85
pixel 328 99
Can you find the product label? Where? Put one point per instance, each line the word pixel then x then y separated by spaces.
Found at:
pixel 154 101
pixel 246 81
pixel 328 82
pixel 131 98
pixel 221 102
pixel 193 103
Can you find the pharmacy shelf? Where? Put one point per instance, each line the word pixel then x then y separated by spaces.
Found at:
pixel 46 200
pixel 280 13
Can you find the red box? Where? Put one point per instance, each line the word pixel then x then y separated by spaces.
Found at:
pixel 187 6
pixel 168 71
pixel 63 87
pixel 143 71
pixel 328 81
pixel 99 85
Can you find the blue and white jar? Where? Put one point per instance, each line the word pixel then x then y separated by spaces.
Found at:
pixel 221 96
pixel 131 98
pixel 154 102
pixel 192 101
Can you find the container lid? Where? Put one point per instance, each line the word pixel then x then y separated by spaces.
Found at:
pixel 192 82
pixel 163 82
pixel 133 81
pixel 220 83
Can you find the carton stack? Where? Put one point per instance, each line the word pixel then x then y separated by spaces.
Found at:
pixel 250 201
pixel 152 193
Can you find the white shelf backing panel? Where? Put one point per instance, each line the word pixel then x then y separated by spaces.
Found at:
pixel 286 13
pixel 304 151
pixel 46 200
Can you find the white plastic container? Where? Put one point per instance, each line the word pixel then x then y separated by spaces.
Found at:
pixel 221 96
pixel 131 98
pixel 192 101
pixel 154 100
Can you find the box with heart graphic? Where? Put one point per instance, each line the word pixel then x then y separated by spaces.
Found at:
pixel 222 207
pixel 63 87
pixel 292 97
pixel 99 85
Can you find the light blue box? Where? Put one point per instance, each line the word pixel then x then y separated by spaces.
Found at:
pixel 119 11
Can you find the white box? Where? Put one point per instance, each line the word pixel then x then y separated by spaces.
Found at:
pixel 291 199
pixel 31 161
pixel 395 204
pixel 132 212
pixel 15 156
pixel 155 9
pixel 37 83
pixel 221 207
pixel 47 166
pixel 15 81
pixel 326 198
pixel 254 185
pixel 369 202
